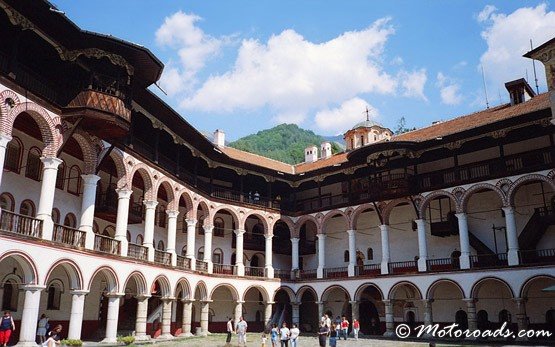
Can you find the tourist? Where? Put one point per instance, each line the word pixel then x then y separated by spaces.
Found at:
pixel 337 323
pixel 328 321
pixel 229 331
pixel 334 334
pixel 294 335
pixel 284 335
pixel 345 327
pixel 256 196
pixel 263 339
pixel 7 326
pixel 54 337
pixel 323 334
pixel 42 328
pixel 356 328
pixel 274 335
pixel 242 331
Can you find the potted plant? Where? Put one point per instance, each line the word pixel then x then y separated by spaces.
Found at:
pixel 126 340
pixel 72 343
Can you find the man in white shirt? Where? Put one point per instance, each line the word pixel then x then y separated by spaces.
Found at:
pixel 242 331
pixel 328 321
pixel 229 331
pixel 284 335
pixel 294 334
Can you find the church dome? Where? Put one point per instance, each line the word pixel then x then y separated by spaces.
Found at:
pixel 366 124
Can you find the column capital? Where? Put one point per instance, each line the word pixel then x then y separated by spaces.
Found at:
pixel 33 287
pixel 354 302
pixel 90 179
pixel 115 295
pixel 271 303
pixel 520 301
pixel 460 215
pixel 508 209
pixel 124 193
pixel 208 229
pixel 191 222
pixel 351 232
pixel 142 297
pixel 470 301
pixel 420 220
pixel 427 301
pixel 321 236
pixel 269 236
pixel 51 162
pixel 4 139
pixel 172 214
pixel 79 292
pixel 388 302
pixel 187 301
pixel 150 203
pixel 239 302
pixel 384 227
pixel 167 299
pixel 239 231
pixel 295 239
pixel 206 301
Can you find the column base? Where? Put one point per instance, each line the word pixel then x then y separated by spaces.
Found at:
pixel 167 336
pixel 512 257
pixel 107 341
pixel 26 344
pixel 464 261
pixel 384 268
pixel 186 335
pixel 240 269
pixel 351 270
pixel 320 272
pixel 422 265
pixel 142 337
pixel 269 272
pixel 209 267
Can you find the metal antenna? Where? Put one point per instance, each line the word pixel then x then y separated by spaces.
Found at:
pixel 485 89
pixel 534 65
pixel 367 114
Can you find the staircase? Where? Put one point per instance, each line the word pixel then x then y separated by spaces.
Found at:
pixel 533 231
pixel 278 317
pixel 155 315
pixel 480 247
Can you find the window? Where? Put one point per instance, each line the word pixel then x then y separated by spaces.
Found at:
pixel 7 202
pixel 60 176
pixel 56 215
pixel 70 220
pixel 14 151
pixel 33 167
pixel 219 227
pixel 10 296
pixel 139 239
pixel 370 254
pixel 362 140
pixel 504 316
pixel 74 180
pixel 200 229
pixel 218 256
pixel 160 246
pixel 54 296
pixel 160 216
pixel 27 208
pixel 346 256
pixel 200 253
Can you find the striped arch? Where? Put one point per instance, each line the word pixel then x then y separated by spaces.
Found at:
pixel 258 215
pixel 166 183
pixel 146 175
pixel 523 292
pixel 300 222
pixel 287 221
pixel 290 293
pixel 164 283
pixel 358 211
pixel 184 287
pixel 398 285
pixel 524 179
pixel 428 198
pixel 73 272
pixel 332 214
pixel 140 282
pixel 262 291
pixel 50 129
pixel 121 169
pixel 478 188
pixel 30 272
pixel 303 289
pixel 332 287
pixel 90 157
pixel 200 288
pixel 186 195
pixel 234 293
pixel 431 289
pixel 386 213
pixel 110 276
pixel 363 287
pixel 476 287
pixel 206 212
pixel 4 95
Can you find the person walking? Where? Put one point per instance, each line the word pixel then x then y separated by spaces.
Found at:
pixel 345 327
pixel 294 335
pixel 323 334
pixel 54 337
pixel 284 335
pixel 337 323
pixel 229 331
pixel 7 326
pixel 42 328
pixel 274 335
pixel 242 331
pixel 328 321
pixel 334 334
pixel 356 328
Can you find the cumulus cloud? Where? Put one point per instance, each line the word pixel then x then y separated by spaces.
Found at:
pixel 508 37
pixel 339 119
pixel 449 90
pixel 412 83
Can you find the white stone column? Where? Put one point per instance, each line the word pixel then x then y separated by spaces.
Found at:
pixel 471 314
pixel 389 320
pixel 352 253
pixel 295 315
pixel 30 315
pixel 320 309
pixel 321 255
pixel 208 247
pixel 268 312
pixel 87 208
pixel 512 236
pixel 47 190
pixel 386 255
pixel 204 312
pixel 191 235
pixel 122 217
pixel 239 238
pixel 295 253
pixel 464 259
pixel 172 230
pixel 428 316
pixel 4 139
pixel 142 314
pixel 521 316
pixel 112 318
pixel 269 268
pixel 166 318
pixel 76 315
pixel 422 245
pixel 150 214
pixel 238 312
pixel 187 318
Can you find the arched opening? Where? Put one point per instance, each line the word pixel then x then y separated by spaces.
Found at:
pixel 371 311
pixel 14 155
pixel 96 304
pixel 407 304
pixel 134 287
pixel 200 295
pixel 336 302
pixel 335 227
pixel 224 299
pixel 255 300
pixel 461 318
pixel 282 310
pixel 538 302
pixel 254 244
pixel 7 202
pixel 281 248
pixel 447 298
pixel 307 245
pixel 308 310
pixel 366 223
pixel 158 290
pixel 494 296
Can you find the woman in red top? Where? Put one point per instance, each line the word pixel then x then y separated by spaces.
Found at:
pixel 345 327
pixel 356 328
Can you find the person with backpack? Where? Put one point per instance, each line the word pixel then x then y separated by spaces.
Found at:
pixel 42 328
pixel 7 326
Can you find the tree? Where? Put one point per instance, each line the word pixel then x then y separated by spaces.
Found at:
pixel 402 126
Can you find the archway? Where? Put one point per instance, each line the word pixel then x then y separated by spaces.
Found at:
pixel 102 284
pixel 335 226
pixel 371 310
pixel 159 289
pixel 407 304
pixel 282 249
pixel 336 302
pixel 308 310
pixel 255 299
pixel 223 302
pixel 538 303
pixel 283 310
pixel 447 301
pixel 494 295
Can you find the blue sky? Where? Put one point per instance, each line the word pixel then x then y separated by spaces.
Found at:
pixel 244 66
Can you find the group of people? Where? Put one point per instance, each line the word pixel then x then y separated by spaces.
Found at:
pixel 282 336
pixel 335 330
pixel 48 337
pixel 240 329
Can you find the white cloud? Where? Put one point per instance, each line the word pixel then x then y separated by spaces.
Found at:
pixel 412 83
pixel 345 116
pixel 486 13
pixel 292 76
pixel 397 61
pixel 508 38
pixel 448 90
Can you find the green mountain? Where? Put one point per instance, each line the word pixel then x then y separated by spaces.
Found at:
pixel 285 142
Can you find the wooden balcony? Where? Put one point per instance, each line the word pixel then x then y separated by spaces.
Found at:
pixel 162 257
pixel 106 244
pixel 183 262
pixel 335 272
pixel 106 207
pixel 68 236
pixel 443 264
pixel 254 271
pixel 20 224
pixel 223 269
pixel 138 252
pixel 201 265
pixel 368 270
pixel 487 261
pixel 403 267
pixel 537 257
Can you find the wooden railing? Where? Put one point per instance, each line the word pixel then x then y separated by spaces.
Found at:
pixel 307 274
pixel 368 270
pixel 20 224
pixel 106 244
pixel 201 265
pixel 443 264
pixel 138 252
pixel 162 257
pixel 537 256
pixel 403 267
pixel 183 262
pixel 68 236
pixel 254 271
pixel 335 272
pixel 223 269
pixel 282 274
pixel 482 261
